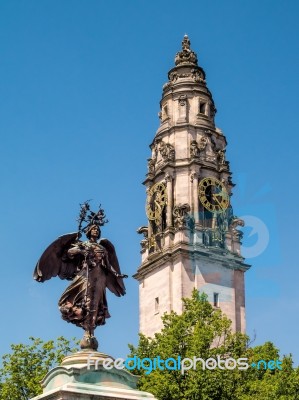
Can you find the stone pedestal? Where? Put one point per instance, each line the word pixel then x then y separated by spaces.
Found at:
pixel 76 378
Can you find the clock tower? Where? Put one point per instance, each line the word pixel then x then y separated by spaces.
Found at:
pixel 191 239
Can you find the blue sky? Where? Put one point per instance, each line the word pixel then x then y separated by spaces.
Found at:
pixel 80 85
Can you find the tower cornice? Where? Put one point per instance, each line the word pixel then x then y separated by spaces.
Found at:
pixel 195 254
pixel 168 129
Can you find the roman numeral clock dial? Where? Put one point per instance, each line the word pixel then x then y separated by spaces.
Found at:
pixel 157 198
pixel 213 195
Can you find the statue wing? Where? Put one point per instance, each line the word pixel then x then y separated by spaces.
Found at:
pixel 114 284
pixel 54 260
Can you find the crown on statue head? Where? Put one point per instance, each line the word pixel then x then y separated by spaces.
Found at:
pixel 90 217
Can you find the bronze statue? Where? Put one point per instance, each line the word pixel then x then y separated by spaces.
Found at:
pixel 92 266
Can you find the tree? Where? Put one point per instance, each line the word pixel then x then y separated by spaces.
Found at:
pixel 203 331
pixel 27 364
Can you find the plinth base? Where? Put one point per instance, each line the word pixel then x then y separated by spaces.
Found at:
pixel 82 376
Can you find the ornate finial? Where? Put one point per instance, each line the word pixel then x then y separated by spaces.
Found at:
pixel 186 56
pixel 186 43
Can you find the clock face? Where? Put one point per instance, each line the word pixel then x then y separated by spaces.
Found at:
pixel 156 200
pixel 213 195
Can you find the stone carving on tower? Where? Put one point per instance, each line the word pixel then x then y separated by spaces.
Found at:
pixel 182 217
pixel 191 240
pixel 167 151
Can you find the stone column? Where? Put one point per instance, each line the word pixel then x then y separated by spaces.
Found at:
pixel 168 179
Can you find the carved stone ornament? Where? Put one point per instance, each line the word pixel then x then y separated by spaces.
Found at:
pixel 203 143
pixel 143 230
pixel 194 150
pixel 236 233
pixel 207 144
pixel 184 75
pixel 173 76
pixel 236 222
pixel 186 55
pixel 151 166
pixel 168 177
pixel 182 100
pixel 155 150
pixel 197 75
pixel 167 151
pixel 144 244
pixel 182 218
pixel 221 157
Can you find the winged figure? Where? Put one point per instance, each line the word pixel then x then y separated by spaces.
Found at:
pixel 92 266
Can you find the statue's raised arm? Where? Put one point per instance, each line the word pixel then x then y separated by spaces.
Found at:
pixel 92 266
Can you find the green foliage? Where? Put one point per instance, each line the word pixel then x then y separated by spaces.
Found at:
pixel 27 364
pixel 205 332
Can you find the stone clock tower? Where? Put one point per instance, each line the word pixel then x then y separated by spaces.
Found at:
pixel 191 240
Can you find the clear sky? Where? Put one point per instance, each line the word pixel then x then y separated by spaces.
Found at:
pixel 80 84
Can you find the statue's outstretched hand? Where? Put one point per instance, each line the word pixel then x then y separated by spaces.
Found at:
pixel 122 276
